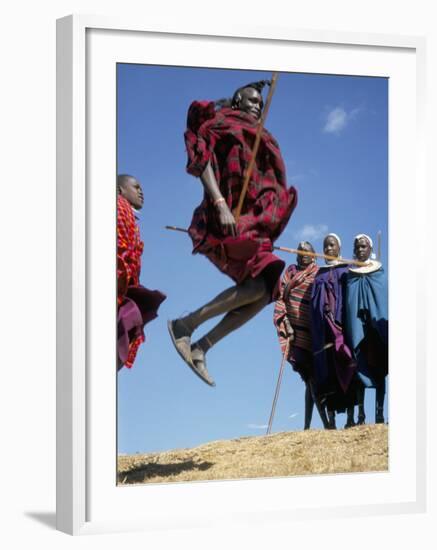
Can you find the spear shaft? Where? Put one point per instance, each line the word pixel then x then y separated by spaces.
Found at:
pixel 248 173
pixel 278 387
pixel 290 250
pixel 317 255
pixel 378 257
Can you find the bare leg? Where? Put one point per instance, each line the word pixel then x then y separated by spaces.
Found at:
pixel 331 420
pixel 232 321
pixel 248 292
pixel 350 422
pixel 309 406
pixel 240 303
pixel 320 408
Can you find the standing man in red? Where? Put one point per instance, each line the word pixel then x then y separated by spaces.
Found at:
pixel 219 138
pixel 137 305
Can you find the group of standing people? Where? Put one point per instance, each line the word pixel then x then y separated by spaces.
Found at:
pixel 332 323
pixel 220 139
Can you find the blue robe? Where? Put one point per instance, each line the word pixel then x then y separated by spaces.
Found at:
pixel 366 324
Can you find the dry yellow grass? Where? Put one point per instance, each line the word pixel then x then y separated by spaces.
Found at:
pixel 359 449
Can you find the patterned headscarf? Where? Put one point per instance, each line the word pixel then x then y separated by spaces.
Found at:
pixel 304 245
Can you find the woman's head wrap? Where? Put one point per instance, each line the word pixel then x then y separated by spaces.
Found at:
pixel 337 238
pixel 369 240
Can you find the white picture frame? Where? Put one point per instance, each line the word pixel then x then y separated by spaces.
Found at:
pixel 81 486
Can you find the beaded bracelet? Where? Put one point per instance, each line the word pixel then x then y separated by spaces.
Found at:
pixel 217 201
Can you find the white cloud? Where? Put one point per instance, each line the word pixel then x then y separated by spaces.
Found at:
pixel 293 415
pixel 257 426
pixel 310 232
pixel 337 119
pixel 296 178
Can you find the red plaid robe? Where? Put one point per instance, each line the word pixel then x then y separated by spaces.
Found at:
pixel 225 139
pixel 129 251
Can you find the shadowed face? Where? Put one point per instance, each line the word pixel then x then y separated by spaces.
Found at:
pixel 131 190
pixel 331 247
pixel 362 249
pixel 304 261
pixel 250 101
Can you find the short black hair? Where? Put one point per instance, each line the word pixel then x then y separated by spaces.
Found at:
pixel 122 179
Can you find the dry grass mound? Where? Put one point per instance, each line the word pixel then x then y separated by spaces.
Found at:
pixel 359 449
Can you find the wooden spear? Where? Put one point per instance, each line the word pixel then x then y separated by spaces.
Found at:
pixel 290 250
pixel 317 255
pixel 248 173
pixel 278 387
pixel 378 257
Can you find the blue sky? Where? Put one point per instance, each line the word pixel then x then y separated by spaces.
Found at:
pixel 333 134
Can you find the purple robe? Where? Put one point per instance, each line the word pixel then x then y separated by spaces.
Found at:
pixel 334 366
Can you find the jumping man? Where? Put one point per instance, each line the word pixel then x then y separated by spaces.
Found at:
pixel 219 140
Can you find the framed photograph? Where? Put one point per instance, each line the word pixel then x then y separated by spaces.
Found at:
pixel 347 111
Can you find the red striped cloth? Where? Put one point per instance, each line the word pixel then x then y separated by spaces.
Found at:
pixel 294 301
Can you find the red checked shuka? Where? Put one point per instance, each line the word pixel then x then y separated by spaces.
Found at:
pixel 137 305
pixel 129 249
pixel 225 138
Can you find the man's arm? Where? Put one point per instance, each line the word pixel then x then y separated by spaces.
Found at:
pixel 225 217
